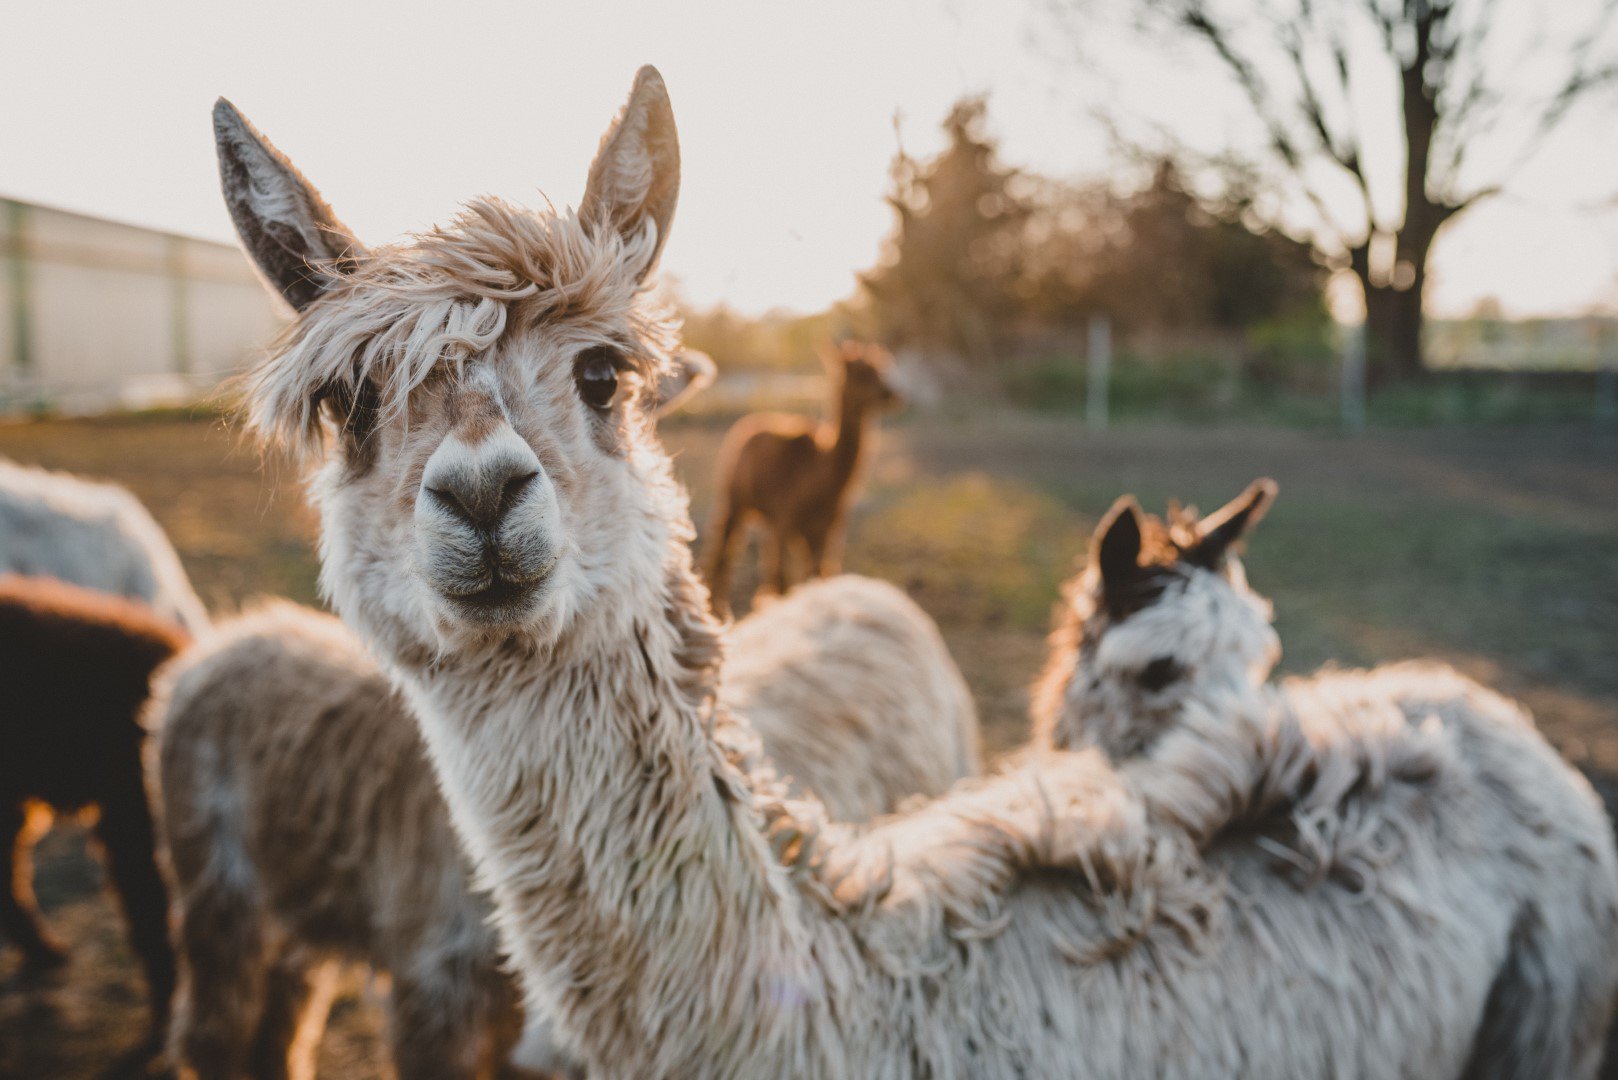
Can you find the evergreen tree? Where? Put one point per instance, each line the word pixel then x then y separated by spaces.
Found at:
pixel 949 269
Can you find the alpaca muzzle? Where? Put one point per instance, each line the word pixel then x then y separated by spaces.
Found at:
pixel 487 524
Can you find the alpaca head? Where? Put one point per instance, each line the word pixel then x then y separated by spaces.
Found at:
pixel 863 373
pixel 1161 619
pixel 479 400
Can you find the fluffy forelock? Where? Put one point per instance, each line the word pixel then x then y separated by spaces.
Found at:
pixel 443 297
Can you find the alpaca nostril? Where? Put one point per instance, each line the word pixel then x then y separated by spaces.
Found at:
pixel 513 490
pixel 448 500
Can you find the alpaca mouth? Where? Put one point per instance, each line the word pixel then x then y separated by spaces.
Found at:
pixel 498 594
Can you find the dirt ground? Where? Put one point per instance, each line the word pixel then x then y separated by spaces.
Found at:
pixel 1494 549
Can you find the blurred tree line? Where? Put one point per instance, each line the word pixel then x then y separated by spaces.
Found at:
pixel 1360 130
pixel 990 270
pixel 988 264
pixel 774 341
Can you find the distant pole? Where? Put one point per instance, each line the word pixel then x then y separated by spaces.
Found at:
pixel 179 305
pixel 1099 367
pixel 1607 395
pixel 1353 378
pixel 17 270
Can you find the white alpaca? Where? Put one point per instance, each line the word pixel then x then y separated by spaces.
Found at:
pixel 306 828
pixel 501 525
pixel 853 694
pixel 1161 660
pixel 94 535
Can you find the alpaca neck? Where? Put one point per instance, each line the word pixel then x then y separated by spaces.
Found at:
pixel 620 846
pixel 847 442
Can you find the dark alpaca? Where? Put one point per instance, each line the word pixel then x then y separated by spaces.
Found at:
pixel 78 664
pixel 795 476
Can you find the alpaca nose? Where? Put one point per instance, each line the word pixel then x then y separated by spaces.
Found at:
pixel 484 501
pixel 481 489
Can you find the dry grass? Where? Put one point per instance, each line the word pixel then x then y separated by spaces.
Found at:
pixel 1494 549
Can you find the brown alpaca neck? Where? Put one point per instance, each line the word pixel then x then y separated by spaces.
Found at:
pixel 848 440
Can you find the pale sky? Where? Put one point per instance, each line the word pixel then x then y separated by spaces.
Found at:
pixel 398 111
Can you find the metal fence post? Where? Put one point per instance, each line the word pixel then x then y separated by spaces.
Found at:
pixel 1099 369
pixel 1607 395
pixel 18 272
pixel 1353 378
pixel 179 287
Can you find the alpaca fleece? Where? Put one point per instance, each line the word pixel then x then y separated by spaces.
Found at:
pixel 307 827
pixel 1529 818
pixel 78 665
pixel 854 695
pixel 92 534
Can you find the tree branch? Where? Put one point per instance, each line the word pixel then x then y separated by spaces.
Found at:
pixel 1343 151
pixel 1194 16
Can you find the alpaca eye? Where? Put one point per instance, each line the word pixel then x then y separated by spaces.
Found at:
pixel 1160 672
pixel 595 373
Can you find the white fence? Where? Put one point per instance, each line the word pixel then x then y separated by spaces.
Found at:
pixel 95 314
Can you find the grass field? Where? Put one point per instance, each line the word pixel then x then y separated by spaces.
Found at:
pixel 1495 549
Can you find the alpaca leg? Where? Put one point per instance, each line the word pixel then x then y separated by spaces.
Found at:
pixel 775 562
pixel 826 551
pixel 221 998
pixel 127 835
pixel 298 991
pixel 437 1029
pixel 541 1054
pixel 800 560
pixel 19 911
pixel 1540 1020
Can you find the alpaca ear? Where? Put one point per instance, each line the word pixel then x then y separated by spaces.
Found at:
pixel 288 230
pixel 1219 531
pixel 1115 550
pixel 691 372
pixel 635 178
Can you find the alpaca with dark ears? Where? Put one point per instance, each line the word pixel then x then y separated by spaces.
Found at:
pixel 1161 660
pixel 1125 655
pixel 77 666
pixel 795 477
pixel 658 886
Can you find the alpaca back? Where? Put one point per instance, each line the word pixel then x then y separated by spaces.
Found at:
pixel 285 756
pixel 95 535
pixel 1359 891
pixel 1412 795
pixel 304 826
pixel 1550 844
pixel 854 695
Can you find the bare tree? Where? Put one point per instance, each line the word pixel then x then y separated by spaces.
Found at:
pixel 1477 85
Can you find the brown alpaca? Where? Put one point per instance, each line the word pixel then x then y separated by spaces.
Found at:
pixel 78 664
pixel 796 477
